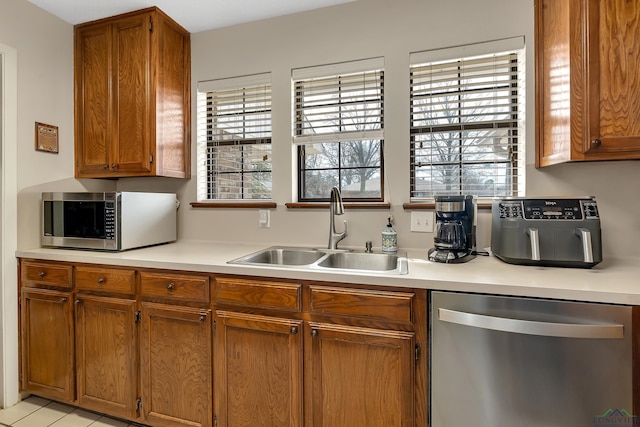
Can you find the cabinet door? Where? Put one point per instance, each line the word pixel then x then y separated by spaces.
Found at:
pixel 587 87
pixel 360 377
pixel 106 355
pixel 613 53
pixel 258 371
pixel 47 343
pixel 93 115
pixel 132 95
pixel 176 366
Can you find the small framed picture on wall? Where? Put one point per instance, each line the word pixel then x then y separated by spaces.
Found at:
pixel 46 138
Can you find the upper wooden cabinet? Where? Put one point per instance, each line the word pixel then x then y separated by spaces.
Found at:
pixel 132 97
pixel 587 80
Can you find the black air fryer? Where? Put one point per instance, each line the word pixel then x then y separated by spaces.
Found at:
pixel 556 232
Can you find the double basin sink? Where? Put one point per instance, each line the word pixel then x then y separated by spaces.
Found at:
pixel 326 259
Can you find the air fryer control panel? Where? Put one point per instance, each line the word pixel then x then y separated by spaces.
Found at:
pixel 549 209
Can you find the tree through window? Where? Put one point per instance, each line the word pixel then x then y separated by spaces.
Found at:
pixel 466 126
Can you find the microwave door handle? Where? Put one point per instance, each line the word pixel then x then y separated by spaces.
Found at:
pixel 529 327
pixel 587 247
pixel 535 243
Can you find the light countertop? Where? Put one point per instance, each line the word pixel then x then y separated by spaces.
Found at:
pixel 612 281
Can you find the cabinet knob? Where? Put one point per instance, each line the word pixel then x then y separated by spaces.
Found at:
pixel 203 317
pixel 78 301
pixel 42 274
pixel 170 287
pixel 595 143
pixel 114 166
pixel 100 280
pixel 294 330
pixel 314 333
pixel 63 299
pixel 106 166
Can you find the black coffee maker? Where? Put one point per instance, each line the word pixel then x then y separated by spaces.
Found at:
pixel 455 236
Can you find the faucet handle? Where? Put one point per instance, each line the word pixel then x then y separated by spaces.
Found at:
pixel 368 246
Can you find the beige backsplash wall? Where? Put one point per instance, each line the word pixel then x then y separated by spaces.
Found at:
pixel 364 29
pixel 361 29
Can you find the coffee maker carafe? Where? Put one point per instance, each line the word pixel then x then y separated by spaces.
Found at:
pixel 455 236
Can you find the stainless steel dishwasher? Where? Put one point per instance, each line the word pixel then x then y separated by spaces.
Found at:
pixel 520 362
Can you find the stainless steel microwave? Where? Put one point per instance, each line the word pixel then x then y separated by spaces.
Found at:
pixel 110 221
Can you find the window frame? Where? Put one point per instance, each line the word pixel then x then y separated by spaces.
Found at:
pixel 515 162
pixel 207 143
pixel 302 178
pixel 337 72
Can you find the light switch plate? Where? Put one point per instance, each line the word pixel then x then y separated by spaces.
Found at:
pixel 422 222
pixel 264 218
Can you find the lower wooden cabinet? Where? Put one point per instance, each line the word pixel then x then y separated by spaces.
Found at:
pixel 106 354
pixel 144 345
pixel 47 331
pixel 258 366
pixel 176 363
pixel 360 377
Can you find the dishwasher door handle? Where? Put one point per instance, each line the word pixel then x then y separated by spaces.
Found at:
pixel 531 327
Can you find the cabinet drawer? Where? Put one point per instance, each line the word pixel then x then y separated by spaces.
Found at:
pixel 180 287
pixel 106 279
pixel 258 294
pixel 43 273
pixel 390 306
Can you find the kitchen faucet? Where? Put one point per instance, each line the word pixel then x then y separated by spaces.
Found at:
pixel 335 208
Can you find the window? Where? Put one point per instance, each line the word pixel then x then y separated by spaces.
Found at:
pixel 338 127
pixel 467 115
pixel 234 138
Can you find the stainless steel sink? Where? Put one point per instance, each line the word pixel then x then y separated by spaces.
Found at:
pixel 281 256
pixel 326 259
pixel 365 261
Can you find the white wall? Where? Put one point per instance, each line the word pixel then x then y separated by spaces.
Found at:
pixel 44 44
pixel 361 29
pixel 392 29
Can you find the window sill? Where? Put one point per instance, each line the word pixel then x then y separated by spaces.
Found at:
pixel 234 205
pixel 347 205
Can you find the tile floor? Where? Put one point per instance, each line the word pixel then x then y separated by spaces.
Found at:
pixel 37 412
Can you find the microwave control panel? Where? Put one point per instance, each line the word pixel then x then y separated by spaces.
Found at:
pixel 110 220
pixel 549 209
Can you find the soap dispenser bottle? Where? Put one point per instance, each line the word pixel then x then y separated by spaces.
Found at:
pixel 389 239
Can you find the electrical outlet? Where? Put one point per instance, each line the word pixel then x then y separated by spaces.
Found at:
pixel 264 218
pixel 422 222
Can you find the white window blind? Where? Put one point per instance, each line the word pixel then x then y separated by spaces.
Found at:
pixel 339 102
pixel 467 125
pixel 234 138
pixel 338 124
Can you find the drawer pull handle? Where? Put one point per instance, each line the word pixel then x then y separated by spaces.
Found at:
pixel 100 280
pixel 203 317
pixel 42 274
pixel 78 301
pixel 294 330
pixel 314 333
pixel 170 287
pixel 63 299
